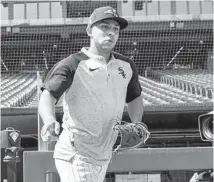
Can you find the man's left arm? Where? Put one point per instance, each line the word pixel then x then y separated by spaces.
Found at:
pixel 135 109
pixel 134 98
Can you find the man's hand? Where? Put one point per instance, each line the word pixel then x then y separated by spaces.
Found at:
pixel 50 131
pixel 130 135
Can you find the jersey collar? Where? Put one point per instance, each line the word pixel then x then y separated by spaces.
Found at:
pixel 94 56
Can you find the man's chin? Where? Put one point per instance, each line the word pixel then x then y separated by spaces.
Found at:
pixel 107 48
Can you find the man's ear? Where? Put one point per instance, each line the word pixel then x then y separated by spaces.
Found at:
pixel 88 31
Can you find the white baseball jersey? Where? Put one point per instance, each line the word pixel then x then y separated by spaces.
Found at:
pixel 94 96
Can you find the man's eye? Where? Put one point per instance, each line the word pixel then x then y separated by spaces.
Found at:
pixel 104 26
pixel 116 29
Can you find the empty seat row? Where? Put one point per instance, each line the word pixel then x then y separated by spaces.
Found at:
pixel 19 99
pixel 16 88
pixel 159 93
pixel 10 80
pixel 198 88
pixel 17 85
pixel 15 95
pixel 198 82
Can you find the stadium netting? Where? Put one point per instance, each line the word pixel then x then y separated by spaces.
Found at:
pixel 173 58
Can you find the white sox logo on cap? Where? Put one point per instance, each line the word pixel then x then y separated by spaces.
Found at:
pixel 112 11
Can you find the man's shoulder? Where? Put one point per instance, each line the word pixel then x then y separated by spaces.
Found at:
pixel 73 59
pixel 122 57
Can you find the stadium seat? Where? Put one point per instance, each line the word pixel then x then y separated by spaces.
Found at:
pixel 18 89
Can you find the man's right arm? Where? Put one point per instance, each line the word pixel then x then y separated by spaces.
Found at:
pixel 47 107
pixel 51 127
pixel 57 81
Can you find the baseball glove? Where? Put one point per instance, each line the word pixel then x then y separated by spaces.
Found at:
pixel 130 135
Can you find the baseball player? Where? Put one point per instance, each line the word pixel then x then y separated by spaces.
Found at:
pixel 95 83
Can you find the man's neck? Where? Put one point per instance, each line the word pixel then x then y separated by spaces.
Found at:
pixel 107 56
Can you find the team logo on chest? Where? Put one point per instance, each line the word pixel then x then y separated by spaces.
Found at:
pixel 122 72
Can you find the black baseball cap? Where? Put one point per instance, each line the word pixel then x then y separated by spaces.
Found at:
pixel 105 13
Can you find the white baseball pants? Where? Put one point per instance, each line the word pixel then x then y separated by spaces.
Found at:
pixel 78 170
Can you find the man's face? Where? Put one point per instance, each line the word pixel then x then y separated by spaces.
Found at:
pixel 105 35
